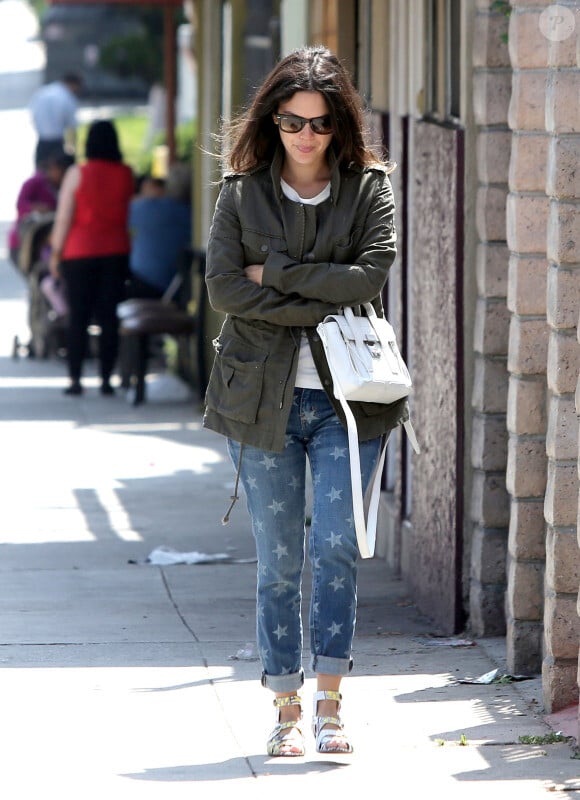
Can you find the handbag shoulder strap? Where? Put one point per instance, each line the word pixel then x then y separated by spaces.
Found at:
pixel 370 310
pixel 366 529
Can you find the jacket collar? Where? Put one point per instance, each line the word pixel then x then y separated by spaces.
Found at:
pixel 276 173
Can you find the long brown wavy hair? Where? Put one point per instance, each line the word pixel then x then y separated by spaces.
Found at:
pixel 253 137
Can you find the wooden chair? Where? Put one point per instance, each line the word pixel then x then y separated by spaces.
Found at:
pixel 176 314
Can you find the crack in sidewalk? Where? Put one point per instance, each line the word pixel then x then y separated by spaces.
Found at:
pixel 211 682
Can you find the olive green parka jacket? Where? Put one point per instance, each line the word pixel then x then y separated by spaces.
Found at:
pixel 316 259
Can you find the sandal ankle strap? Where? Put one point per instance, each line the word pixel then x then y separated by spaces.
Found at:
pixel 289 700
pixel 327 694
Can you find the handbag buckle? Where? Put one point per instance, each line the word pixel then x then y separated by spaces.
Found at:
pixel 374 347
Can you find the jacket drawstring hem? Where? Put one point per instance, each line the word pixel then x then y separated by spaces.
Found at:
pixel 235 496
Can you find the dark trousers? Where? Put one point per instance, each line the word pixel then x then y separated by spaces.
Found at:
pixel 94 287
pixel 46 148
pixel 137 287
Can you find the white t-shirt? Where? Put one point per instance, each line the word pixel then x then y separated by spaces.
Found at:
pixel 306 375
pixel 54 109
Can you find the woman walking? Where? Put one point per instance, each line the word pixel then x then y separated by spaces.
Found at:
pixel 303 225
pixel 90 249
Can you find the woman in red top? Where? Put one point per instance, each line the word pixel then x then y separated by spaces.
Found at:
pixel 90 249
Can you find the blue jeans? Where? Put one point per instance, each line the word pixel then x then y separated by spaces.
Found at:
pixel 274 485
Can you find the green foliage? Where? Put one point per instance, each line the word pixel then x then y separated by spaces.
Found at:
pixel 503 6
pixel 461 743
pixel 549 738
pixel 137 54
pixel 184 141
pixel 140 53
pixel 132 130
pixel 38 6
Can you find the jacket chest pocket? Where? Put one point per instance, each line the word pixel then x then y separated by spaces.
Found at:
pixel 258 246
pixel 344 248
pixel 236 381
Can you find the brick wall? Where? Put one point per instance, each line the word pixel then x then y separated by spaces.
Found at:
pixel 543 235
pixel 489 501
pixel 527 216
pixel 562 110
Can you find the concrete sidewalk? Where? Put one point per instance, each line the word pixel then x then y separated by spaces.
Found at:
pixel 123 680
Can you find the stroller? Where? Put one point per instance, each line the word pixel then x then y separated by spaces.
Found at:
pixel 47 311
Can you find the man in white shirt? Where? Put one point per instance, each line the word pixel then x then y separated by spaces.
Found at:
pixel 54 114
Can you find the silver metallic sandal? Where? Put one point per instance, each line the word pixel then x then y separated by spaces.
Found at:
pixel 279 743
pixel 324 735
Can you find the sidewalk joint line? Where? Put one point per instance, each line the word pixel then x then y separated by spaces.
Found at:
pixel 176 607
pixel 253 773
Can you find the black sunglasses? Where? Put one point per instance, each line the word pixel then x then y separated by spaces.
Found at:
pixel 292 123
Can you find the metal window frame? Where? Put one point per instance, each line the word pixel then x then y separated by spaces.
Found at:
pixel 442 60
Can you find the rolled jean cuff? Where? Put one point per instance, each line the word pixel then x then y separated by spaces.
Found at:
pixel 283 683
pixel 325 665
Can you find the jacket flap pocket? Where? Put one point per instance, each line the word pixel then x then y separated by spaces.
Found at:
pixel 228 372
pixel 235 388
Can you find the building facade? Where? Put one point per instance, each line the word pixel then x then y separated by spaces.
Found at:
pixel 477 101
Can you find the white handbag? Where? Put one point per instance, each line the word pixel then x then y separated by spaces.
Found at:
pixel 366 365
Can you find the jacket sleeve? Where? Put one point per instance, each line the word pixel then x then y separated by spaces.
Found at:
pixel 347 283
pixel 231 292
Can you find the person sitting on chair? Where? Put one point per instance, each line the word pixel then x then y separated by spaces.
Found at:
pixel 160 227
pixel 38 193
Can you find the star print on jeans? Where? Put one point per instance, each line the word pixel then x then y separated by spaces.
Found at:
pixel 337 583
pixel 309 416
pixel 334 494
pixel 280 551
pixel 269 463
pixel 277 506
pixel 339 452
pixel 335 629
pixel 252 483
pixel 280 631
pixel 335 539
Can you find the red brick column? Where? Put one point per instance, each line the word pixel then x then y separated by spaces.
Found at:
pixel 527 216
pixel 561 622
pixel 489 501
